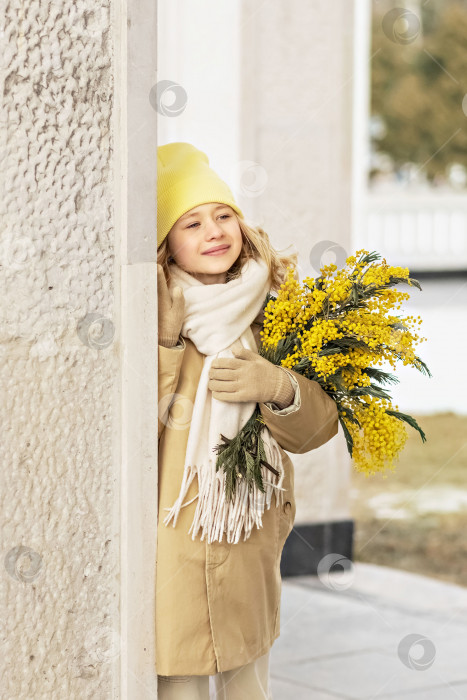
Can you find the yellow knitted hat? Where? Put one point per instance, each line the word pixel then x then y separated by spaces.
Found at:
pixel 184 180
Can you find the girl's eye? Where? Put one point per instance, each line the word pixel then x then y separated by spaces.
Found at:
pixel 195 223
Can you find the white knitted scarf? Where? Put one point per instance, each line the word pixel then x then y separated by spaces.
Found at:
pixel 216 317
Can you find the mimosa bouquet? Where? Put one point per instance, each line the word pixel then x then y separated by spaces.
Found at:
pixel 336 330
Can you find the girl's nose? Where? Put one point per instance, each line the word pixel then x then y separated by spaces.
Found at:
pixel 214 227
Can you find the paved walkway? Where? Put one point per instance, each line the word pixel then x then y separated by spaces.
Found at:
pixel 354 637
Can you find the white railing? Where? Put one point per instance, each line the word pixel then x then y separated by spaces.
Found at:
pixel 419 231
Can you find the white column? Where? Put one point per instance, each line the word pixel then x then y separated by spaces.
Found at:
pixel 135 200
pixel 360 119
pixel 199 50
pixel 297 99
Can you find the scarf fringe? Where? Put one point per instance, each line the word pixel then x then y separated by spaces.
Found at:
pixel 214 515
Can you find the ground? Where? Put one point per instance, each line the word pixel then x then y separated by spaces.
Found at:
pixel 416 518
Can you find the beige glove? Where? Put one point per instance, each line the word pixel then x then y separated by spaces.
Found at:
pixel 171 311
pixel 249 377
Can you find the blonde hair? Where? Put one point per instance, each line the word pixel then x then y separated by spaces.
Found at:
pixel 256 244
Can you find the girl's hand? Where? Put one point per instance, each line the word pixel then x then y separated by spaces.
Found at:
pixel 249 377
pixel 171 311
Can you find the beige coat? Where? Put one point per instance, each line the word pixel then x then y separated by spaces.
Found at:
pixel 218 605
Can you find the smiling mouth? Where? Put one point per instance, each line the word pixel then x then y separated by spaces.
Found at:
pixel 218 251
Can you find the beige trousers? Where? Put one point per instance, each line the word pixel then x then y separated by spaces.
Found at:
pixel 249 682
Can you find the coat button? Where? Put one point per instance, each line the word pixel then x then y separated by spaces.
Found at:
pixel 287 506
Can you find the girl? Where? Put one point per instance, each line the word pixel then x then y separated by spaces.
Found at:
pixel 218 581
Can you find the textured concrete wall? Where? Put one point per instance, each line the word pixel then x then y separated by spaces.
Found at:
pixel 61 367
pixel 59 353
pixel 297 133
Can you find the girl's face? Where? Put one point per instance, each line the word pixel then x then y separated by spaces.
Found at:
pixel 200 229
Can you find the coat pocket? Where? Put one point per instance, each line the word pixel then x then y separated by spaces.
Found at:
pixel 286 520
pixel 288 508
